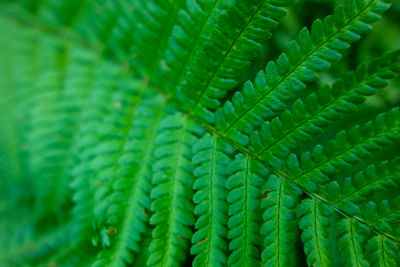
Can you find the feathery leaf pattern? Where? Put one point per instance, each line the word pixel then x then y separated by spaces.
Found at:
pixel 199 133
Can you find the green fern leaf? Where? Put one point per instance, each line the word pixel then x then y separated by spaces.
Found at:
pixel 177 133
pixel 88 159
pixel 354 191
pixel 172 191
pixel 347 149
pixel 351 242
pixel 309 54
pixel 244 185
pixel 314 223
pixel 383 215
pixel 254 21
pixel 126 216
pixel 382 251
pixel 210 158
pixel 306 119
pixel 279 222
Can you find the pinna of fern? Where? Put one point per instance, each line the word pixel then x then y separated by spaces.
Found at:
pixel 211 157
pixel 307 118
pixel 307 56
pixel 139 142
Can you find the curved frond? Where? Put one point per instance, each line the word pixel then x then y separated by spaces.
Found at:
pixel 307 118
pixel 308 55
pixel 382 252
pixel 315 224
pixel 383 215
pixel 124 100
pixel 278 229
pixel 67 105
pixel 92 155
pixel 157 20
pixel 211 73
pixel 244 197
pixel 172 191
pixel 210 157
pixel 344 151
pixel 351 239
pixel 128 31
pixel 129 137
pixel 127 206
pixel 185 37
pixel 351 193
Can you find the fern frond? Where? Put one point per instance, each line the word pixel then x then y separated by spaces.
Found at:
pixel 244 185
pixel 158 22
pixel 382 252
pixel 60 90
pixel 186 35
pixel 134 32
pixel 65 100
pixel 383 215
pixel 105 103
pixel 279 222
pixel 45 155
pixel 119 118
pixel 351 238
pixel 308 118
pixel 356 190
pixel 210 157
pixel 308 55
pixel 211 73
pixel 346 150
pixel 128 31
pixel 128 139
pixel 126 215
pixel 172 191
pixel 315 224
pixel 108 25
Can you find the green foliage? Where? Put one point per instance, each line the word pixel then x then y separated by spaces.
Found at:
pixel 211 159
pixel 177 133
pixel 315 224
pixel 244 184
pixel 278 229
pixel 351 240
